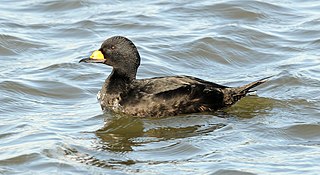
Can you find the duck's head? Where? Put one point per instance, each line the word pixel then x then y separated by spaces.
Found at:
pixel 118 52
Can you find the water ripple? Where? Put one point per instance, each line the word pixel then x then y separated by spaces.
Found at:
pixel 52 122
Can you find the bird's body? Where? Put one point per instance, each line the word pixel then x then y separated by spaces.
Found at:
pixel 159 96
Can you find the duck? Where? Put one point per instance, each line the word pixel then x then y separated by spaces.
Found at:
pixel 164 96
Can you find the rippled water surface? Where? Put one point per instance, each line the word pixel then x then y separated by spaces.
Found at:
pixel 51 121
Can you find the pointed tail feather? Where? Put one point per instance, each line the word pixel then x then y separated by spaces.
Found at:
pixel 234 94
pixel 246 88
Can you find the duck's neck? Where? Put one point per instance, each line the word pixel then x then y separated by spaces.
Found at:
pixel 119 81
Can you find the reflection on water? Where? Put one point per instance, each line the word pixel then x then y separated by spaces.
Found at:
pixel 122 133
pixel 252 106
pixel 118 133
pixel 51 121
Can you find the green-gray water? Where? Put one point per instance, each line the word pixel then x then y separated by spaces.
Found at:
pixel 51 122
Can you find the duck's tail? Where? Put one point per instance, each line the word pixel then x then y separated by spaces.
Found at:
pixel 232 95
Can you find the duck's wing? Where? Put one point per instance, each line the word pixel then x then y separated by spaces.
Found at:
pixel 167 96
pixel 162 85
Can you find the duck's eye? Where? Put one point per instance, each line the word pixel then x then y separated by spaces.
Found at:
pixel 113 47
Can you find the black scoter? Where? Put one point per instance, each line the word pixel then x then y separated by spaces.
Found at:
pixel 159 96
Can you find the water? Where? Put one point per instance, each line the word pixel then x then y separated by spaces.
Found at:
pixel 51 121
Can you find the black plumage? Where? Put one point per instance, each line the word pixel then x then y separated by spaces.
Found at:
pixel 159 96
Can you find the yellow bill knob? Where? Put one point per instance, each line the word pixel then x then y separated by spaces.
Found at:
pixel 97 55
